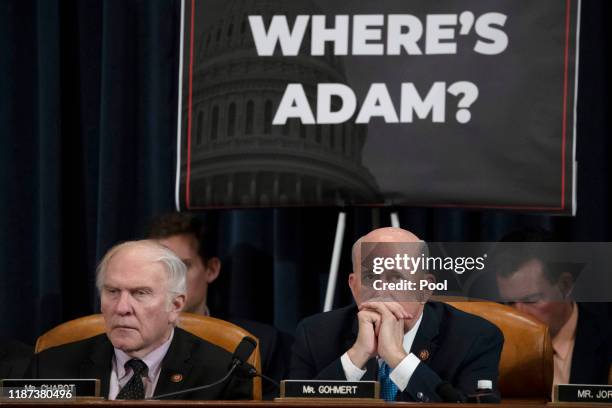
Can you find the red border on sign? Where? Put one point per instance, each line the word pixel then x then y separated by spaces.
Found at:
pixel 449 205
pixel 188 181
pixel 564 126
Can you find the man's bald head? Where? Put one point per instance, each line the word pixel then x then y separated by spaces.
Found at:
pixel 413 306
pixel 387 234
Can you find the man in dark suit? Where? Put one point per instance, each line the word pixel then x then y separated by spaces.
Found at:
pixel 580 332
pixel 142 354
pixel 14 358
pixel 412 347
pixel 189 362
pixel 185 235
pixel 592 355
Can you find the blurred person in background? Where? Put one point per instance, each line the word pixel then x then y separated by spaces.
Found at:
pixel 580 332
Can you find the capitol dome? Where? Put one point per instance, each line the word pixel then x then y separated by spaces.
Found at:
pixel 238 158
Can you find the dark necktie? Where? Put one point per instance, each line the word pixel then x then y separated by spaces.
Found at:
pixel 134 389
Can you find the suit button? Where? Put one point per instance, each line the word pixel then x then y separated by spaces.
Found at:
pixel 420 395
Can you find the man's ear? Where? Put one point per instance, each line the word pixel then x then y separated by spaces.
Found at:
pixel 352 282
pixel 213 268
pixel 566 284
pixel 178 303
pixel 426 294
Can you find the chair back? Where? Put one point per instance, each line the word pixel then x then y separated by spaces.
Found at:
pixel 526 364
pixel 219 332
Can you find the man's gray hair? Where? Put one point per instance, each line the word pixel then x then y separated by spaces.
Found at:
pixel 176 270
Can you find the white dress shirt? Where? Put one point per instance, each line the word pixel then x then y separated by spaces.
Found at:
pixel 120 376
pixel 401 374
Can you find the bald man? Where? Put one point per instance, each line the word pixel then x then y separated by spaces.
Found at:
pixel 411 345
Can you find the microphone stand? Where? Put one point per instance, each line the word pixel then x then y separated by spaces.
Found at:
pixel 252 372
pixel 202 387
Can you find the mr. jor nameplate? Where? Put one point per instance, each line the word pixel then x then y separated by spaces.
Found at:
pixel 590 393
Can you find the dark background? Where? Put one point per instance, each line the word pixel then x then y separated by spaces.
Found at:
pixel 88 93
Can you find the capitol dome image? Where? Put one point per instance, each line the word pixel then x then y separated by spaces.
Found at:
pixel 238 158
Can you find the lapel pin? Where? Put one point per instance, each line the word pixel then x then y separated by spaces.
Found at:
pixel 424 354
pixel 176 378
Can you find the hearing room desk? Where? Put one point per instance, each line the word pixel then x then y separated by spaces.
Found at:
pixel 276 404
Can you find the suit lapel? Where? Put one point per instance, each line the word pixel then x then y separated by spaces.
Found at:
pixel 176 368
pixel 351 337
pixel 99 364
pixel 424 345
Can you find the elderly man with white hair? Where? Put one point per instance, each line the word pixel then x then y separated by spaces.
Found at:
pixel 142 354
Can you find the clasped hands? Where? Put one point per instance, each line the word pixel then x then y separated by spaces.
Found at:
pixel 381 332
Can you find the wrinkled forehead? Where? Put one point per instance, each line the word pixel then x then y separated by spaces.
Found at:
pixel 135 266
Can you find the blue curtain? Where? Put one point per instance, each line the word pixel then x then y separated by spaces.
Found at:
pixel 88 93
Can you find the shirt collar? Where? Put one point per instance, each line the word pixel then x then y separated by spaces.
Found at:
pixel 152 360
pixel 411 334
pixel 564 339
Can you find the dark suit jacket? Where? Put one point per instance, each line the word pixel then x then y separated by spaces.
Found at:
pixel 592 347
pixel 198 361
pixel 454 346
pixel 14 358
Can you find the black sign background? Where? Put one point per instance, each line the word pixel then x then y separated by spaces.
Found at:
pixel 516 152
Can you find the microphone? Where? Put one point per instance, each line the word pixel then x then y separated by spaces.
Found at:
pixel 249 371
pixel 242 352
pixel 448 393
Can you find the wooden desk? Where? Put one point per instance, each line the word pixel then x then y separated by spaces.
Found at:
pixel 279 404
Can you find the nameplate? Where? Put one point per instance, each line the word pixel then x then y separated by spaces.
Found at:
pixel 49 389
pixel 583 393
pixel 329 389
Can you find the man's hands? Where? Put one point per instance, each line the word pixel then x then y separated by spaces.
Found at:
pixel 381 332
pixel 391 330
pixel 366 345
